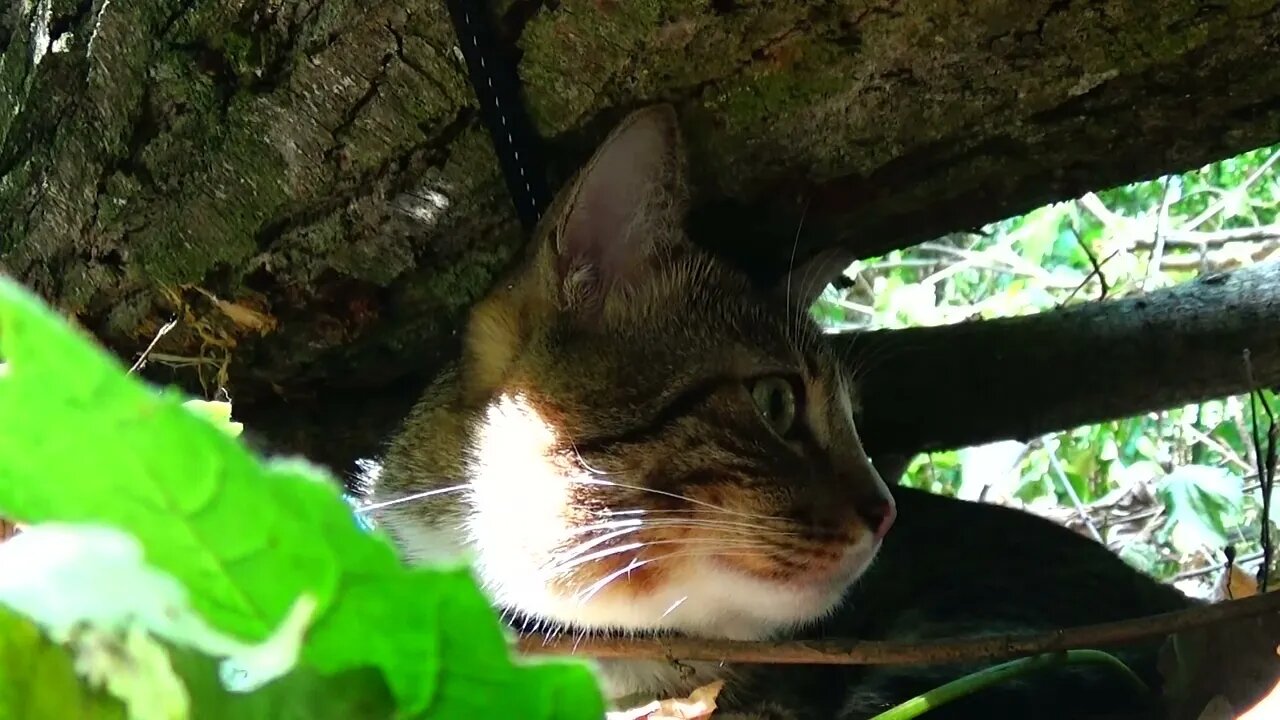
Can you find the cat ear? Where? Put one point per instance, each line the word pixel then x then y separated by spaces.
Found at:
pixel 802 285
pixel 624 207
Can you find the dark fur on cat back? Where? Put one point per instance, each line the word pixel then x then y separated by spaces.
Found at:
pixel 646 442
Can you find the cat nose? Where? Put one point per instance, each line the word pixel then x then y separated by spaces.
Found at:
pixel 879 515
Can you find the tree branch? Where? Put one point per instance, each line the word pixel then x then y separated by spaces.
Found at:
pixel 1017 378
pixel 319 213
pixel 999 379
pixel 867 652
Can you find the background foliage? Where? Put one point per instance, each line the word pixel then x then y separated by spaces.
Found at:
pixel 1169 491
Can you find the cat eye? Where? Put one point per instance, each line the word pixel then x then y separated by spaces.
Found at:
pixel 776 399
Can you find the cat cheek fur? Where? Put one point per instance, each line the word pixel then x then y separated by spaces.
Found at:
pixel 610 315
pixel 536 523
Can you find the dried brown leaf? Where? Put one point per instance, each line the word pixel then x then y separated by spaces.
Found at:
pixel 700 704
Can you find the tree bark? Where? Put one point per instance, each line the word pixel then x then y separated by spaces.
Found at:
pixel 976 382
pixel 939 388
pixel 304 183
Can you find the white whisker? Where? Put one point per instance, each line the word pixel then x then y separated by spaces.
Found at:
pixel 409 498
pixel 584 547
pixel 598 555
pixel 574 561
pixel 597 586
pixel 676 496
pixel 591 590
pixel 607 525
pixel 674 605
pixel 728 526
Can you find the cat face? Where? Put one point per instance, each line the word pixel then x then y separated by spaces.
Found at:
pixel 653 442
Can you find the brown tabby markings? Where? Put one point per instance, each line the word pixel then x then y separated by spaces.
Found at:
pixel 619 470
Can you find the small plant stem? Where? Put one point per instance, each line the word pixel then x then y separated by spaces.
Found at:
pixel 983 679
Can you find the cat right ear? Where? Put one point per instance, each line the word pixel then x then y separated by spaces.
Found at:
pixel 624 208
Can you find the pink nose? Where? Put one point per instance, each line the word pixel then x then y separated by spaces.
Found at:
pixel 880 515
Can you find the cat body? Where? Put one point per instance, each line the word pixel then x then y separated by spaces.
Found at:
pixel 637 440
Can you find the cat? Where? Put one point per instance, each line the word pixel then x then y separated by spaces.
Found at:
pixel 636 439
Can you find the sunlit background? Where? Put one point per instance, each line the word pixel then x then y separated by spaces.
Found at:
pixel 1168 491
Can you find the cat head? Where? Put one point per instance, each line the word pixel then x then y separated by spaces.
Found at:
pixel 653 442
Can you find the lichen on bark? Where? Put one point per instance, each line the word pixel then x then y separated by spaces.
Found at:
pixel 307 186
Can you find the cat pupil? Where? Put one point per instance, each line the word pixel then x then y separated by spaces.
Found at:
pixel 777 403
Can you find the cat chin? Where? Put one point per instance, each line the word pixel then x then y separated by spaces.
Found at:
pixel 699 597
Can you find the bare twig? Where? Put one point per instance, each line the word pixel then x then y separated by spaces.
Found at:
pixel 1235 192
pixel 1097 267
pixel 142 359
pixel 1158 237
pixel 1230 455
pixel 1061 474
pixel 997 259
pixel 868 652
pixel 1211 239
pixel 1266 465
pixel 1136 232
pixel 1210 569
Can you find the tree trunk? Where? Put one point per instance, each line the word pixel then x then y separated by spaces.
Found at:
pixel 305 186
pixel 1016 378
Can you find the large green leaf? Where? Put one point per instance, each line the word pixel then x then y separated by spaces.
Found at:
pixel 38 680
pixel 1203 503
pixel 85 443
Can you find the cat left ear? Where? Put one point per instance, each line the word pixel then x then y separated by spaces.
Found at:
pixel 802 285
pixel 626 205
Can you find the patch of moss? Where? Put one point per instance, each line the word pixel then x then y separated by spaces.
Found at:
pixel 191 105
pixel 458 284
pixel 1250 8
pixel 245 53
pixel 577 50
pixel 14 85
pixel 221 210
pixel 15 185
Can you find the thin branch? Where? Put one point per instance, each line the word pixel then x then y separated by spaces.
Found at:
pixel 991 259
pixel 142 359
pixel 1211 239
pixel 1198 435
pixel 1097 267
pixel 870 652
pixel 1137 235
pixel 1061 474
pixel 1266 464
pixel 1210 569
pixel 1232 194
pixel 1158 237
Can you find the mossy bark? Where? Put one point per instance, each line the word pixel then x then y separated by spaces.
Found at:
pixel 305 183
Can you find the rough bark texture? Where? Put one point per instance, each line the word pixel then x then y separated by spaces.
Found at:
pixel 304 183
pixel 1021 377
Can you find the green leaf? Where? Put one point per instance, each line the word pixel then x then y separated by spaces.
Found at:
pixel 85 443
pixel 1203 501
pixel 89 584
pixel 219 413
pixel 38 680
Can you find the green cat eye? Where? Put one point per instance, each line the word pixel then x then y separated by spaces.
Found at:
pixel 775 398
